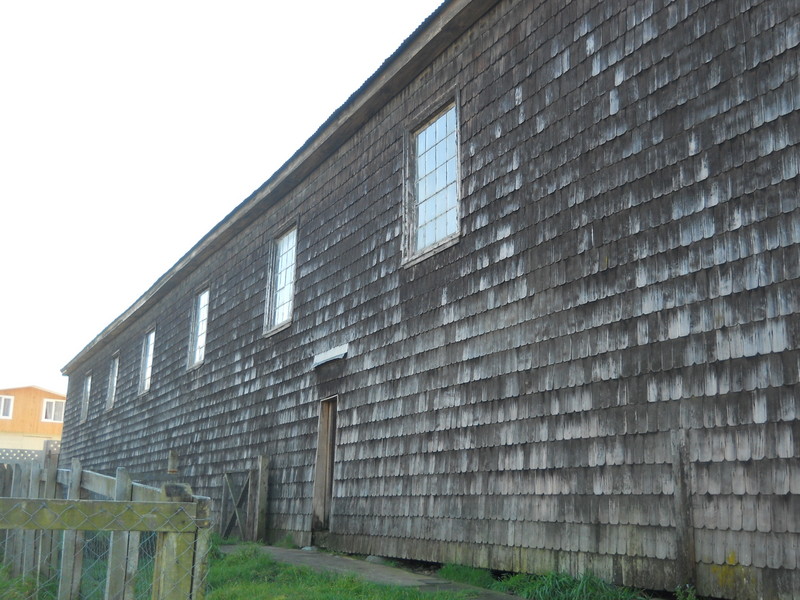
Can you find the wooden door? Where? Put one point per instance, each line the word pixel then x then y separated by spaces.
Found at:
pixel 323 474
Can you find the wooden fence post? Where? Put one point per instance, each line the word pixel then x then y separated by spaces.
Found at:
pixel 22 473
pixel 261 497
pixel 249 533
pixel 202 546
pixel 6 475
pixel 172 572
pixel 30 537
pixel 72 552
pixel 48 552
pixel 5 480
pixel 4 491
pixel 8 548
pixel 116 573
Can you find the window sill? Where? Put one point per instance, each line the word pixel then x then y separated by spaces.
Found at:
pixel 194 366
pixel 277 328
pixel 442 244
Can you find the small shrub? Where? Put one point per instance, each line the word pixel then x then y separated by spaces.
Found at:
pixel 685 592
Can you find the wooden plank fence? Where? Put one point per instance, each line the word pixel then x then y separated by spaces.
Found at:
pixel 244 503
pixel 35 502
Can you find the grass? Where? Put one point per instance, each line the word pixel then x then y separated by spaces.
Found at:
pixel 286 542
pixel 249 574
pixel 22 588
pixel 560 586
pixel 469 575
pixel 16 588
pixel 550 586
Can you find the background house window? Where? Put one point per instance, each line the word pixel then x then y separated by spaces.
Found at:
pixel 6 406
pixel 113 373
pixel 87 390
pixel 435 181
pixel 147 361
pixel 53 411
pixel 199 328
pixel 283 279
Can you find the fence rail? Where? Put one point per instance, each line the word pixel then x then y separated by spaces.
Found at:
pixel 121 540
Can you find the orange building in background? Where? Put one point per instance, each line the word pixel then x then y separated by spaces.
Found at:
pixel 29 416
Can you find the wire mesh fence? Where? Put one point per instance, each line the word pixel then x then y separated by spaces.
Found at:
pixel 108 539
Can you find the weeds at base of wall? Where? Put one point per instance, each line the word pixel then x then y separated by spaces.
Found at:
pixel 549 586
pixel 685 592
pixel 287 542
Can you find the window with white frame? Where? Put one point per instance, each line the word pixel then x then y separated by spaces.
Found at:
pixel 87 391
pixel 53 411
pixel 433 209
pixel 282 299
pixel 6 407
pixel 113 374
pixel 146 373
pixel 197 349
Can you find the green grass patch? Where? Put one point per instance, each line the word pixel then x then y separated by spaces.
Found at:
pixel 550 586
pixel 20 588
pixel 15 588
pixel 560 586
pixel 286 542
pixel 249 574
pixel 469 575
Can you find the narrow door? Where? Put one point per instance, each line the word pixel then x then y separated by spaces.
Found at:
pixel 323 474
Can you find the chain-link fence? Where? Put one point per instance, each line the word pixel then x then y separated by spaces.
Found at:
pixel 77 535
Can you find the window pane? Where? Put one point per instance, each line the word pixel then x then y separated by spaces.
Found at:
pixel 6 402
pixel 147 361
pixel 436 180
pixel 87 391
pixel 425 212
pixel 200 327
pixel 283 278
pixel 112 382
pixel 451 225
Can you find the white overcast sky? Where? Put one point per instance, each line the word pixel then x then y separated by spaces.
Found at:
pixel 129 129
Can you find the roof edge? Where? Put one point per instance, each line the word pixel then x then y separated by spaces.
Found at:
pixel 57 395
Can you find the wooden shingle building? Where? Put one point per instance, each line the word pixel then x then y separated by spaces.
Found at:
pixel 529 300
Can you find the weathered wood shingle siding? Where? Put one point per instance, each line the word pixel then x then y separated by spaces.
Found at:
pixel 602 374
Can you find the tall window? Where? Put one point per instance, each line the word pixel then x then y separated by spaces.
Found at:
pixel 283 279
pixel 6 406
pixel 147 362
pixel 434 209
pixel 113 373
pixel 199 328
pixel 53 411
pixel 87 391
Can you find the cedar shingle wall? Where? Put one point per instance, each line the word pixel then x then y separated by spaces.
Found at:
pixel 602 374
